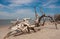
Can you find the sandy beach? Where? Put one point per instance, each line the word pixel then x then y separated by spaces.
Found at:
pixel 47 32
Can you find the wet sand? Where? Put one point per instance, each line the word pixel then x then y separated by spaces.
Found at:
pixel 47 32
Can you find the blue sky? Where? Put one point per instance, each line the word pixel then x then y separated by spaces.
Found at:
pixel 12 9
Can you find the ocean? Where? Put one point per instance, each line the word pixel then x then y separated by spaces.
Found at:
pixel 6 21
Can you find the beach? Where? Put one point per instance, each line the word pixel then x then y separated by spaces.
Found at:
pixel 47 31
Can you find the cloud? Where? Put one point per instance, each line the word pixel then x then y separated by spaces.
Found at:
pixel 21 13
pixel 3 6
pixel 52 6
pixel 16 3
pixel 49 2
pixel 16 8
pixel 19 2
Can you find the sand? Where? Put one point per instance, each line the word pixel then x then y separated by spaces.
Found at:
pixel 47 32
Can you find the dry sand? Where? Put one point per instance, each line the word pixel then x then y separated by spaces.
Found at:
pixel 47 32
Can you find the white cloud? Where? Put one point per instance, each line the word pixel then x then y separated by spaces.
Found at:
pixel 49 2
pixel 3 6
pixel 19 2
pixel 18 13
pixel 52 6
pixel 16 3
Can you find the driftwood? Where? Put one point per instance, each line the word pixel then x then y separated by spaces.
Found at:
pixel 42 17
pixel 21 28
pixel 51 20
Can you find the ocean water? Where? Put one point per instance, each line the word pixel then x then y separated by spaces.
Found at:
pixel 5 21
pixel 8 21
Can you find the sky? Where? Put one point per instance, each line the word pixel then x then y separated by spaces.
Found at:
pixel 13 9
